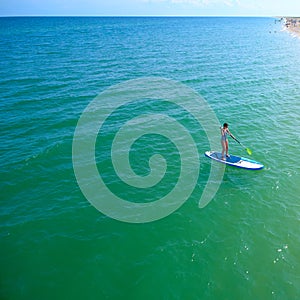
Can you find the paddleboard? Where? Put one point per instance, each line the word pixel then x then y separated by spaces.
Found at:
pixel 235 161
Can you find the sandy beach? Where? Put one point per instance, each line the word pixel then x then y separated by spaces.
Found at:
pixel 292 24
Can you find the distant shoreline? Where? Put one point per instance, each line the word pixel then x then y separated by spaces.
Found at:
pixel 292 24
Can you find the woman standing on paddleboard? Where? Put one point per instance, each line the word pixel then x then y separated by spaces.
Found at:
pixel 224 141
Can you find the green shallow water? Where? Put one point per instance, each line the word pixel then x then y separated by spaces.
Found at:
pixel 54 245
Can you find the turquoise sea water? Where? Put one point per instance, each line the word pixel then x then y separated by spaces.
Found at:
pixel 54 245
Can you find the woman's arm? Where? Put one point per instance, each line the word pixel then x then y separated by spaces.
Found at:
pixel 231 134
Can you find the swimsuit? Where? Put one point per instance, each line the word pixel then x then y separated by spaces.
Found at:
pixel 224 136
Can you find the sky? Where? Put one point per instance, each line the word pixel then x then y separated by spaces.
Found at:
pixel 150 7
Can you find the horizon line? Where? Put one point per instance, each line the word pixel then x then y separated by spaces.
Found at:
pixel 151 16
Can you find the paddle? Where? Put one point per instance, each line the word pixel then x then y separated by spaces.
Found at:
pixel 247 149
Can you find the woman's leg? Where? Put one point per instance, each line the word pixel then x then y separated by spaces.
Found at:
pixel 223 143
pixel 226 147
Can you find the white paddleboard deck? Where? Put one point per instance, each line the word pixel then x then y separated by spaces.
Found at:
pixel 235 161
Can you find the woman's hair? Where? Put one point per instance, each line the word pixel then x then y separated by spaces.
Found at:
pixel 225 125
